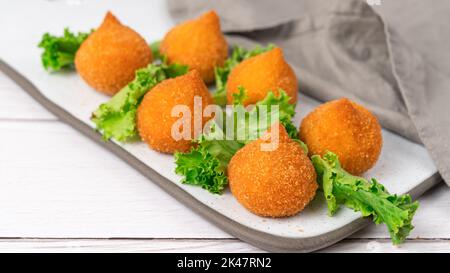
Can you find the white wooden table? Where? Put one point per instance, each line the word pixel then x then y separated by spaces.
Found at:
pixel 59 191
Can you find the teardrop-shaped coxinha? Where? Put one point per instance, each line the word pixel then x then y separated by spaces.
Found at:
pixel 109 57
pixel 261 74
pixel 154 115
pixel 276 183
pixel 197 43
pixel 347 129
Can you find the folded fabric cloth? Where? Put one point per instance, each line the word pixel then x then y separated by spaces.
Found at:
pixel 375 55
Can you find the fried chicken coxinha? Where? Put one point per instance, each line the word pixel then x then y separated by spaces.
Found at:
pixel 197 43
pixel 106 58
pixel 347 129
pixel 154 116
pixel 260 74
pixel 275 183
pixel 116 118
pixel 109 57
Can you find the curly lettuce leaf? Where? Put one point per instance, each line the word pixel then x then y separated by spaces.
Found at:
pixel 238 98
pixel 117 118
pixel 205 165
pixel 59 51
pixel 286 111
pixel 368 197
pixel 155 51
pixel 221 73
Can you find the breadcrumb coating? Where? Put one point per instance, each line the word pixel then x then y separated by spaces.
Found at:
pixel 261 74
pixel 347 129
pixel 109 57
pixel 154 115
pixel 198 43
pixel 276 183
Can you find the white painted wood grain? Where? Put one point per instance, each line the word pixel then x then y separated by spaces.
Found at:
pixel 17 104
pixel 186 246
pixel 57 183
pixel 126 245
pixel 385 246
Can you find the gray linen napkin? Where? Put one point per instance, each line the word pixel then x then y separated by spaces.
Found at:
pixel 390 58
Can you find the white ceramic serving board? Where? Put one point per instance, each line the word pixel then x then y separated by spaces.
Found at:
pixel 403 165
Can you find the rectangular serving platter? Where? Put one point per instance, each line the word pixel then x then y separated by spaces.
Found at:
pixel 403 167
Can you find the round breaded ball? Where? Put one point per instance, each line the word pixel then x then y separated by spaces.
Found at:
pixel 261 74
pixel 347 129
pixel 109 57
pixel 154 115
pixel 197 43
pixel 277 183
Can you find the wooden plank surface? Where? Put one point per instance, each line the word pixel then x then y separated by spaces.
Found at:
pixel 58 186
pixel 204 245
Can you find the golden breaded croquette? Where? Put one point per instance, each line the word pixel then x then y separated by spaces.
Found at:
pixel 154 115
pixel 109 57
pixel 197 43
pixel 347 129
pixel 276 183
pixel 261 74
